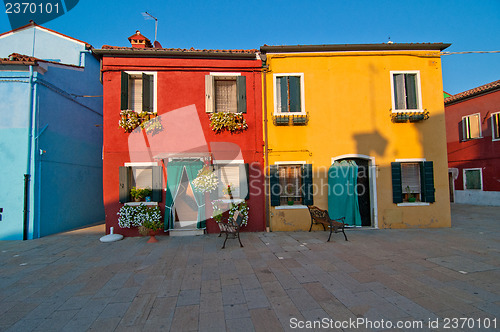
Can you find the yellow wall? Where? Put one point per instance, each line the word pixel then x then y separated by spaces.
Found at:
pixel 348 100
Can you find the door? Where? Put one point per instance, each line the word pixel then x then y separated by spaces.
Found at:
pixel 186 209
pixel 452 187
pixel 363 190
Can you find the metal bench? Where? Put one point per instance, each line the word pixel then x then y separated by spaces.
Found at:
pixel 319 216
pixel 231 227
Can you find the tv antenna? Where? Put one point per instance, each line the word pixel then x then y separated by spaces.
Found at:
pixel 148 16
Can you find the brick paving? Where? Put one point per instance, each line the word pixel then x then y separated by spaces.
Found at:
pixel 73 282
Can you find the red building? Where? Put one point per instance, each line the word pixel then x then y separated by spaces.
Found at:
pixel 161 106
pixel 473 136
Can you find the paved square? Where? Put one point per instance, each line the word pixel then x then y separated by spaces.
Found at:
pixel 278 281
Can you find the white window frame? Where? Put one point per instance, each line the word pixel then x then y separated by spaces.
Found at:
pixel 496 114
pixel 302 94
pixel 419 91
pixel 214 75
pixel 479 125
pixel 155 86
pixel 480 177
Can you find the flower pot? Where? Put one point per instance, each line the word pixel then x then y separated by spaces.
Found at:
pixel 152 236
pixel 412 199
pixel 290 202
pixel 137 199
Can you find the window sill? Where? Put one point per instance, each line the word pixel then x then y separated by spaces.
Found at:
pixel 413 204
pixel 408 111
pixel 290 207
pixel 471 139
pixel 234 201
pixel 139 203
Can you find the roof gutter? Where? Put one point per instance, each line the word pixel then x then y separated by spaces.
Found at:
pixel 353 47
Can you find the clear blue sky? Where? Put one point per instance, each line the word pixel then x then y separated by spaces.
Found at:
pixel 468 25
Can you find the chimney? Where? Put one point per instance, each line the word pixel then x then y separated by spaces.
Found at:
pixel 139 41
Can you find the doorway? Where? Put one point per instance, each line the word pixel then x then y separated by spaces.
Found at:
pixel 185 207
pixel 451 184
pixel 365 188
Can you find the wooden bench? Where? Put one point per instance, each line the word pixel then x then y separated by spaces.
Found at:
pixel 319 216
pixel 231 227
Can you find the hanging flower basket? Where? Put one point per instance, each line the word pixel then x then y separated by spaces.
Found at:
pixel 232 122
pixel 129 120
pixel 206 181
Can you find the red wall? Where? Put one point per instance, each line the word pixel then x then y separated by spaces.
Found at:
pixel 477 153
pixel 180 83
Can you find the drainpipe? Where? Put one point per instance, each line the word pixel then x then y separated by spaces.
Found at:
pixel 266 147
pixel 27 175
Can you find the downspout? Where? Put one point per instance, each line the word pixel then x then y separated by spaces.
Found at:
pixel 27 175
pixel 265 68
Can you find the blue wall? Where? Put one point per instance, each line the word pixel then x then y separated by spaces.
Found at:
pixel 13 152
pixel 47 45
pixel 66 178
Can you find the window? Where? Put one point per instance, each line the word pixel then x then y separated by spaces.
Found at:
pixel 225 92
pixel 291 184
pixel 236 175
pixel 138 91
pixel 413 181
pixel 406 91
pixel 289 93
pixel 473 179
pixel 471 125
pixel 495 126
pixel 140 175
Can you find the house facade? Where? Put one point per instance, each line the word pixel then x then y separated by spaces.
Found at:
pixel 358 130
pixel 473 135
pixel 50 134
pixel 181 91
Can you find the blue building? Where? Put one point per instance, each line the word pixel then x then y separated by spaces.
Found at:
pixel 50 134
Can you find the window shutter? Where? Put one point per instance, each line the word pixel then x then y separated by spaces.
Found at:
pixel 427 175
pixel 209 94
pixel 294 88
pixel 124 91
pixel 397 192
pixel 147 92
pixel 307 185
pixel 156 195
pixel 124 178
pixel 411 91
pixel 274 185
pixel 241 87
pixel 244 181
pixel 399 91
pixel 283 94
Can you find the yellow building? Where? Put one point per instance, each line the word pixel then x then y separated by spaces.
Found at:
pixel 358 130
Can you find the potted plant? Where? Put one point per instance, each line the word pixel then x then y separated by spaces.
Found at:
pixel 411 195
pixel 139 193
pixel 151 223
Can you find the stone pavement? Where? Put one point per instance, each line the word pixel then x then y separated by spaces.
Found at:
pixel 278 281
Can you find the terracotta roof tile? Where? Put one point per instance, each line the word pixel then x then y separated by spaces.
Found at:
pixel 473 92
pixel 21 59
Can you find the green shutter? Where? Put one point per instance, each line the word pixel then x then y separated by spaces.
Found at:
pixel 397 190
pixel 241 86
pixel 124 178
pixel 124 91
pixel 274 185
pixel 411 91
pixel 156 195
pixel 427 178
pixel 307 185
pixel 147 92
pixel 283 83
pixel 294 88
pixel 244 181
